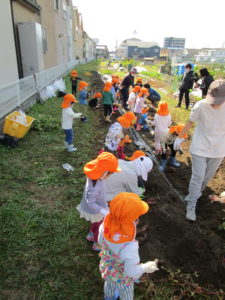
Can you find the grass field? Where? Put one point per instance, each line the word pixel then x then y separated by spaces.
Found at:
pixel 44 253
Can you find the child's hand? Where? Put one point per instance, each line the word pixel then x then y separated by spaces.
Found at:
pixel 150 266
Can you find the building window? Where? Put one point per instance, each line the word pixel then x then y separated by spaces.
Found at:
pixel 64 11
pixel 156 50
pixel 44 39
pixel 56 4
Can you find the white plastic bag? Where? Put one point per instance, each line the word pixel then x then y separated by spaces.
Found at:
pixel 21 118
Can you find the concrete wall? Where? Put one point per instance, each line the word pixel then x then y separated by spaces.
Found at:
pixel 48 22
pixel 8 60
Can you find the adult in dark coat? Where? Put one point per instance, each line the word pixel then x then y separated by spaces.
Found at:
pixel 126 83
pixel 207 79
pixel 186 84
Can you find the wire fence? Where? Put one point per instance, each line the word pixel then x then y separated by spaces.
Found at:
pixel 16 93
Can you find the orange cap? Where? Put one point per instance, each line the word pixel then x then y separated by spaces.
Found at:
pixel 105 162
pixel 125 208
pixel 137 154
pixel 163 109
pixel 115 80
pixel 145 110
pixel 67 100
pixel 178 129
pixel 107 86
pixel 136 89
pixel 143 91
pixel 139 79
pixel 115 76
pixel 82 85
pixel 127 119
pixel 97 95
pixel 73 73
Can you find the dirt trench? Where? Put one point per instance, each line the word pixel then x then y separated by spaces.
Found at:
pixel 176 242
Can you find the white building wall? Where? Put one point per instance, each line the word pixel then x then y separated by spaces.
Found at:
pixel 8 61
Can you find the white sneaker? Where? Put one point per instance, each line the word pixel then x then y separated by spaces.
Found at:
pixel 71 148
pixel 190 213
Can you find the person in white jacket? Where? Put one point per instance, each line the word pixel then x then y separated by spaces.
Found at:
pixel 208 142
pixel 120 263
pixel 132 97
pixel 131 179
pixel 67 120
pixel 162 122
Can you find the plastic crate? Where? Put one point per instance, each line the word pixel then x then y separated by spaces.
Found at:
pixel 13 128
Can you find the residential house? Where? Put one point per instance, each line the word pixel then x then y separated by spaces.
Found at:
pixel 210 55
pixel 136 48
pixel 102 51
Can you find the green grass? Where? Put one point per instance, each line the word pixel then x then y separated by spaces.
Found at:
pixel 44 254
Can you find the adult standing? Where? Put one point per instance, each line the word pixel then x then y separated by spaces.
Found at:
pixel 207 79
pixel 185 85
pixel 126 83
pixel 208 142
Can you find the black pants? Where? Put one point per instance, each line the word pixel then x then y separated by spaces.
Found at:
pixel 184 92
pixel 125 96
pixel 107 109
pixel 74 90
pixel 173 152
pixel 93 103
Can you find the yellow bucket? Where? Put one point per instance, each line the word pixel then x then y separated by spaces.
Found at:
pixel 13 128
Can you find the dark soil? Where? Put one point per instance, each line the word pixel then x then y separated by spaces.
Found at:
pixel 189 246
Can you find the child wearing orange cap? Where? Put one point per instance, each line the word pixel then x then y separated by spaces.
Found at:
pixel 120 263
pixel 167 140
pixel 139 105
pixel 132 97
pixel 116 134
pixel 93 206
pixel 107 100
pixel 83 92
pixel 67 120
pixel 94 100
pixel 74 79
pixel 139 82
pixel 162 122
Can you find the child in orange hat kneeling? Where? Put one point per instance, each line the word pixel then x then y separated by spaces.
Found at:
pixel 120 263
pixel 67 120
pixel 167 140
pixel 116 134
pixel 162 122
pixel 93 206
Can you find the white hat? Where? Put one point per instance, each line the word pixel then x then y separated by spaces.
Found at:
pixel 143 165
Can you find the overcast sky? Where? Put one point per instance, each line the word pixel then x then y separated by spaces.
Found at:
pixel 202 23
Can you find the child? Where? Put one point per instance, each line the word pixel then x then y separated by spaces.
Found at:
pixel 132 97
pixel 144 118
pixel 94 101
pixel 67 120
pixel 107 100
pixel 83 93
pixel 167 140
pixel 162 122
pixel 140 103
pixel 120 263
pixel 74 78
pixel 93 206
pixel 114 90
pixel 115 133
pixel 139 82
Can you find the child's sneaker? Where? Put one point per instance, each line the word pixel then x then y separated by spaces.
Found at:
pixel 96 247
pixel 90 237
pixel 71 148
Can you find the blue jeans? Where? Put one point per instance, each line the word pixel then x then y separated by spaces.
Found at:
pixel 69 136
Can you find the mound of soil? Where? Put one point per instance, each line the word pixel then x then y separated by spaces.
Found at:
pixel 177 242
